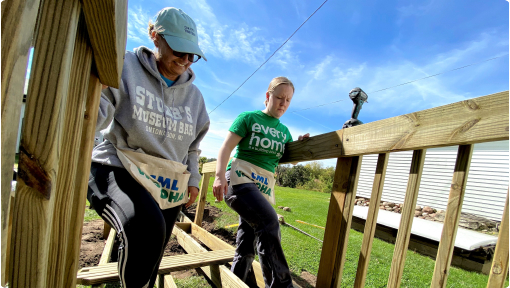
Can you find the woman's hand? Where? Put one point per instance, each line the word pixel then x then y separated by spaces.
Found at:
pixel 192 194
pixel 220 187
pixel 303 137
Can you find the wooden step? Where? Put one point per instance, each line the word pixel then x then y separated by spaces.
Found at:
pixel 108 272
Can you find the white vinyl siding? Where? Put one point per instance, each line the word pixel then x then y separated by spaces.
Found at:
pixel 486 188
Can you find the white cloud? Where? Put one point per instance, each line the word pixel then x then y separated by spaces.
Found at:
pixel 138 22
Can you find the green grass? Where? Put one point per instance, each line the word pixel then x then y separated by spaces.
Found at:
pixel 192 282
pixel 303 252
pixel 189 282
pixel 90 214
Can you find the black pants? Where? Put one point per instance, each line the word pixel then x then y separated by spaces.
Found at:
pixel 143 228
pixel 258 230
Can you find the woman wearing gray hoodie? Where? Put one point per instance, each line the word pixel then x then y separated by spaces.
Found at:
pixel 147 167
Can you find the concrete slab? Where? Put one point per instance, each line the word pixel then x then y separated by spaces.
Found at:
pixel 466 239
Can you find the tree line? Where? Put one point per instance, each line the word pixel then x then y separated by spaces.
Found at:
pixel 311 176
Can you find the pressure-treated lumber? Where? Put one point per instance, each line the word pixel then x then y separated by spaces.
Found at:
pixel 165 281
pixel 338 222
pixel 481 119
pixel 18 22
pixel 451 221
pixel 215 243
pixel 107 253
pixel 499 267
pixel 371 222
pixel 39 241
pixel 201 198
pixel 209 167
pixel 406 221
pixel 219 275
pixel 107 24
pixel 109 272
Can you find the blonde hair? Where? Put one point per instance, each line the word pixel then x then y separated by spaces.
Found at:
pixel 276 82
pixel 158 30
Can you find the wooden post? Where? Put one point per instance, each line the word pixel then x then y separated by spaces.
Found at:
pixel 499 267
pixel 35 201
pixel 18 22
pixel 339 221
pixel 406 221
pixel 201 198
pixel 371 223
pixel 451 221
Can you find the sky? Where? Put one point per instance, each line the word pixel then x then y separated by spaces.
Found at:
pixel 345 44
pixel 369 44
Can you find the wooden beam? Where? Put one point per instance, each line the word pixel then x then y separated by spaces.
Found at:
pixel 406 221
pixel 338 222
pixel 107 253
pixel 209 167
pixel 107 26
pixel 499 267
pixel 451 221
pixel 204 186
pixel 109 272
pixel 371 222
pixel 165 281
pixel 18 23
pixel 481 119
pixel 42 139
pixel 220 276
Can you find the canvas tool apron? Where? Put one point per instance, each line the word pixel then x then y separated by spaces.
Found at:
pixel 245 172
pixel 166 180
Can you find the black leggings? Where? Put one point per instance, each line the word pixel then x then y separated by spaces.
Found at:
pixel 143 228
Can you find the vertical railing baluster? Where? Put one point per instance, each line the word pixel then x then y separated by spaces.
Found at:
pixel 451 221
pixel 406 221
pixel 371 223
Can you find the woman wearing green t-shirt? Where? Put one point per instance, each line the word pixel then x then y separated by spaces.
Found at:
pixel 248 185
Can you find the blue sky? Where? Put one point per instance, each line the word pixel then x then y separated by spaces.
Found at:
pixel 369 44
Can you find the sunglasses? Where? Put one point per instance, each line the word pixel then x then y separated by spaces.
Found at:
pixel 193 58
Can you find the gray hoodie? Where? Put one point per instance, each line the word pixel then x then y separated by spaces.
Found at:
pixel 150 117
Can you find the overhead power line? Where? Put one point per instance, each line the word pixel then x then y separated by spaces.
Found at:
pixel 430 76
pixel 269 57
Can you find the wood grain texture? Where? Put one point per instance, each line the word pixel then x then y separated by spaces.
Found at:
pixel 481 119
pixel 18 21
pixel 338 222
pixel 225 277
pixel 165 281
pixel 406 221
pixel 371 222
pixel 83 167
pixel 107 253
pixel 201 198
pixel 209 167
pixel 109 272
pixel 499 267
pixel 25 252
pixel 451 221
pixel 169 282
pixel 107 26
pixel 42 138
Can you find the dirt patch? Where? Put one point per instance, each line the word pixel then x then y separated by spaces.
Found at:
pixel 211 213
pixel 92 244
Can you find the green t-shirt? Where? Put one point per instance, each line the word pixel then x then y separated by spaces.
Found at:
pixel 264 139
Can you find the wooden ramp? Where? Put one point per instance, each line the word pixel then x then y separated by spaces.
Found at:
pixel 108 272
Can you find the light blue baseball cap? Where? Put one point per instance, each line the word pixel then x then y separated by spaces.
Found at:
pixel 179 31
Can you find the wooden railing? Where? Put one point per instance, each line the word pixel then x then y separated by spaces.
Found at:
pixel 464 123
pixel 78 44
